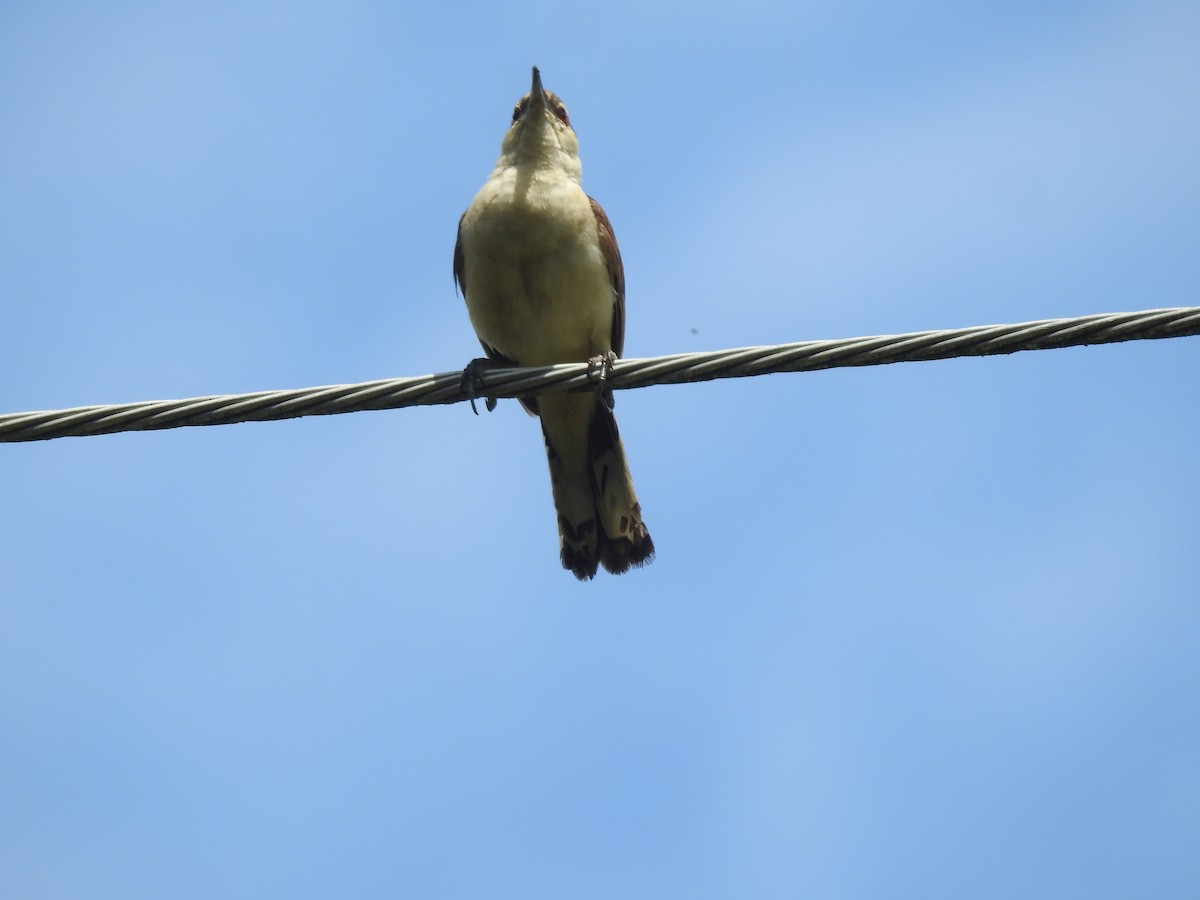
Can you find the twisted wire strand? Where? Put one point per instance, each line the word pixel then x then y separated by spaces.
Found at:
pixel 450 387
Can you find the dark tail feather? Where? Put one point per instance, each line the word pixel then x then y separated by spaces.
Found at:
pixel 599 519
pixel 623 539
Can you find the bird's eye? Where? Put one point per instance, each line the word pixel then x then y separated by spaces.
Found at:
pixel 561 112
pixel 519 109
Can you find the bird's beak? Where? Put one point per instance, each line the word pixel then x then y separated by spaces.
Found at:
pixel 537 95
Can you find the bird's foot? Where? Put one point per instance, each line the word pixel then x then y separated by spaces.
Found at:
pixel 472 381
pixel 599 368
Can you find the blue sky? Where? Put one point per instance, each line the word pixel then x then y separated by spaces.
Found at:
pixel 919 630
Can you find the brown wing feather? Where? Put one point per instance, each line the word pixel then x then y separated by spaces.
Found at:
pixel 616 274
pixel 459 264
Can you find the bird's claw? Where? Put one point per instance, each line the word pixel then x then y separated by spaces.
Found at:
pixel 472 381
pixel 599 368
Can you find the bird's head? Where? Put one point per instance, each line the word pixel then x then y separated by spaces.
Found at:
pixel 541 130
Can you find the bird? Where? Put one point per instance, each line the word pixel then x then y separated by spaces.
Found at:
pixel 539 268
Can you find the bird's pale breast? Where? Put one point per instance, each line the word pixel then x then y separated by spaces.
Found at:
pixel 537 289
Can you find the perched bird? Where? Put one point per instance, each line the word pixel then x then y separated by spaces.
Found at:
pixel 541 274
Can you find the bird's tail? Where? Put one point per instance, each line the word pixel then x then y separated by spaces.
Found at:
pixel 599 519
